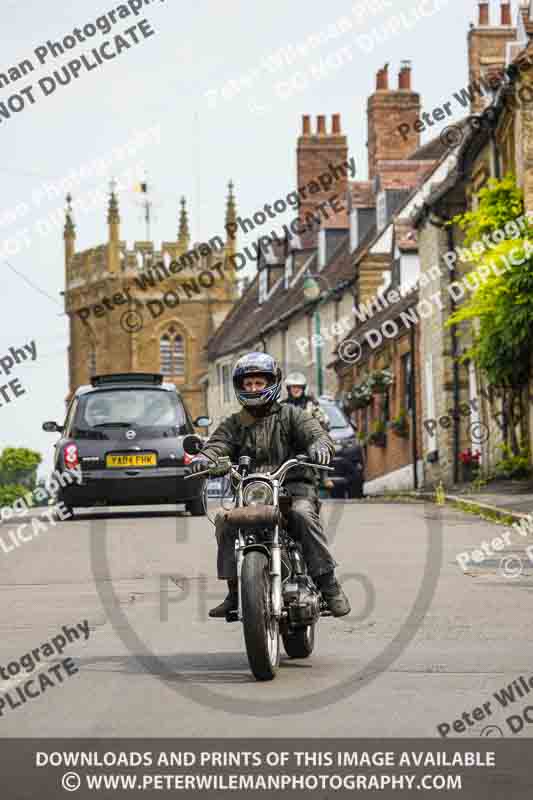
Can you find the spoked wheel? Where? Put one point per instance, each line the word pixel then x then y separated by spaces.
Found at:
pixel 299 643
pixel 261 629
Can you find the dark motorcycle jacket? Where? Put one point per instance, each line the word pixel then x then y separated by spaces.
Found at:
pixel 282 433
pixel 308 403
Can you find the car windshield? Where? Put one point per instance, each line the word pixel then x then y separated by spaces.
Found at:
pixel 146 408
pixel 335 416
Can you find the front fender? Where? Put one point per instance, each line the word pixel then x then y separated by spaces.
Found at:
pixel 258 548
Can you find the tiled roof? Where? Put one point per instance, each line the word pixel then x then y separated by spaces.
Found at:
pixel 392 311
pixel 248 319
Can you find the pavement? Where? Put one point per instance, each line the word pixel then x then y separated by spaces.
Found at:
pixel 512 496
pixel 503 498
pixel 424 644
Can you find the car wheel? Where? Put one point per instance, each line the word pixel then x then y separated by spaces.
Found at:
pixel 196 507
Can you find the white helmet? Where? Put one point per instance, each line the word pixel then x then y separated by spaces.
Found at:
pixel 296 379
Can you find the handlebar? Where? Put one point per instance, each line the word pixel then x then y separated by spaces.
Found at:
pixel 278 474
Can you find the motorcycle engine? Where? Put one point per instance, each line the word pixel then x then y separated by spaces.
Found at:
pixel 301 601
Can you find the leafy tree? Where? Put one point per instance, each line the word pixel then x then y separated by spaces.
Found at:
pixel 19 464
pixel 12 492
pixel 500 309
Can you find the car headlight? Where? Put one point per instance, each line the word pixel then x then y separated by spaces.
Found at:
pixel 258 493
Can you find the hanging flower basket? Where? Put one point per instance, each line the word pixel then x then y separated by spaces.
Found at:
pixel 380 380
pixel 360 396
pixel 378 437
pixel 400 425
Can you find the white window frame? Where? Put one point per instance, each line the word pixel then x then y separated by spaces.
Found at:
pixel 381 210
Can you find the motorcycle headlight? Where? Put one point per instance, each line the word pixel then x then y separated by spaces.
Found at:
pixel 258 493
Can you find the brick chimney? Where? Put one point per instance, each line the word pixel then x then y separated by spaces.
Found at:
pixel 387 110
pixel 318 153
pixel 505 14
pixel 486 49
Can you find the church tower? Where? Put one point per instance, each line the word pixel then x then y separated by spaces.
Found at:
pixel 147 310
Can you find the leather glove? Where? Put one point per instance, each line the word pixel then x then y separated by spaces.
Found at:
pixel 319 454
pixel 199 464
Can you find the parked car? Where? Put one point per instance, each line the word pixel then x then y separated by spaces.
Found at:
pixel 126 433
pixel 348 462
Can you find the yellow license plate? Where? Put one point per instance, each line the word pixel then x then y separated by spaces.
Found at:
pixel 119 460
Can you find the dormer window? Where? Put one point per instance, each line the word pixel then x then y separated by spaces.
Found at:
pixel 289 270
pixel 381 210
pixel 263 285
pixel 354 230
pixel 322 249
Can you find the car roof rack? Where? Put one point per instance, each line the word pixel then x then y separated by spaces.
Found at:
pixel 148 378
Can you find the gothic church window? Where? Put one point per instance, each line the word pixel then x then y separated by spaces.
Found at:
pixel 92 362
pixel 172 353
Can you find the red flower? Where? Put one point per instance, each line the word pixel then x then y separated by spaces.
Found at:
pixel 468 457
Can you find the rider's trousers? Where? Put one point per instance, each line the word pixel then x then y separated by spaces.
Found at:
pixel 304 526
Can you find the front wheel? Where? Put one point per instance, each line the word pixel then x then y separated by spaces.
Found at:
pixel 299 643
pixel 261 629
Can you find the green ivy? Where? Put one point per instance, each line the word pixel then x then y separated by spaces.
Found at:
pixel 499 202
pixel 500 310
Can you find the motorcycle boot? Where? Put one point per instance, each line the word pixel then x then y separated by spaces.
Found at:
pixel 333 594
pixel 230 603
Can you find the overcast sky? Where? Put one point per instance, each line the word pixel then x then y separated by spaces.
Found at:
pixel 205 139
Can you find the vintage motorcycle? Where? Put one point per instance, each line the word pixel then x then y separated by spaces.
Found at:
pixel 276 595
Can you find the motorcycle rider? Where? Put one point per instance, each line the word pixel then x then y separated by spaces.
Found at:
pixel 296 385
pixel 271 433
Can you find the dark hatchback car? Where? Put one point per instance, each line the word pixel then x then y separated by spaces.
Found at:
pixel 126 433
pixel 348 461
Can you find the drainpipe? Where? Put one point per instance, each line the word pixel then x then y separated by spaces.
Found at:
pixel 412 389
pixel 455 351
pixel 495 155
pixel 440 223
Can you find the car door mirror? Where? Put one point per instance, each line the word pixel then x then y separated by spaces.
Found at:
pixel 52 427
pixel 202 422
pixel 192 444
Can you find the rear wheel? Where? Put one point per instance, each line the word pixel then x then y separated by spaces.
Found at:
pixel 261 629
pixel 299 643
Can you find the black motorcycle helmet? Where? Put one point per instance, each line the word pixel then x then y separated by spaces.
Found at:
pixel 257 364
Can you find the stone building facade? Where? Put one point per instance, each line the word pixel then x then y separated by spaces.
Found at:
pixel 147 310
pixel 469 413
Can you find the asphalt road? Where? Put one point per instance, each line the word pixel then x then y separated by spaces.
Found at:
pixel 424 643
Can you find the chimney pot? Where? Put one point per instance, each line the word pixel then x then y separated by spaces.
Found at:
pixel 484 13
pixel 336 124
pixel 306 125
pixel 404 77
pixel 382 78
pixel 321 125
pixel 506 13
